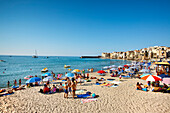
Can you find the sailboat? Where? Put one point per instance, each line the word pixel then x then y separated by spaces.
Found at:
pixel 35 56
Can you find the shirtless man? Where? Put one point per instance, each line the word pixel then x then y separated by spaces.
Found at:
pixel 73 88
pixel 66 90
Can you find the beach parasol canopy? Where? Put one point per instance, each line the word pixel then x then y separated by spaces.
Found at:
pixel 49 78
pixel 69 75
pixel 34 79
pixel 162 63
pixel 166 80
pixel 126 66
pixel 101 71
pixel 151 78
pixel 46 74
pixel 76 70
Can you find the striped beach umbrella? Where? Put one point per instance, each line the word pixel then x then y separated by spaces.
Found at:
pixel 151 78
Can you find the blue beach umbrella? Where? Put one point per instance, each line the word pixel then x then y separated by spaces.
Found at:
pixel 32 80
pixel 46 74
pixel 69 75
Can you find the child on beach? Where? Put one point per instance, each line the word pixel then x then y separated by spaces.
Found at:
pixel 73 88
pixel 66 90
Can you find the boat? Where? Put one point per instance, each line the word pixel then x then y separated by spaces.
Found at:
pixel 28 77
pixel 35 56
pixel 67 66
pixel 47 57
pixel 2 61
pixel 44 70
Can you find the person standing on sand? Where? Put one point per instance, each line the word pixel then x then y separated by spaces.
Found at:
pixel 8 84
pixel 69 86
pixel 66 90
pixel 15 82
pixel 73 88
pixel 19 82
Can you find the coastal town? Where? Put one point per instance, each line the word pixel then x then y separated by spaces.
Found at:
pixel 154 53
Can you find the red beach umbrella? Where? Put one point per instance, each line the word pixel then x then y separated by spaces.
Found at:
pixel 151 78
pixel 101 71
pixel 126 66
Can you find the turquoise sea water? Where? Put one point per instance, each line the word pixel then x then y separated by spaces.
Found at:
pixel 17 67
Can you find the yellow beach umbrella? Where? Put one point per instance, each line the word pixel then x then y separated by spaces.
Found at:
pixel 162 63
pixel 76 70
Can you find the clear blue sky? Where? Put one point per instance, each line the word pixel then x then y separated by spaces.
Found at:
pixel 82 27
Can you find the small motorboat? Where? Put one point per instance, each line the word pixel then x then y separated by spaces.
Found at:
pixel 44 70
pixel 67 66
pixel 28 77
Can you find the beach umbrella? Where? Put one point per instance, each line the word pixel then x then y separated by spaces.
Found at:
pixel 34 79
pixel 151 78
pixel 46 74
pixel 49 78
pixel 126 66
pixel 145 74
pixel 101 71
pixel 69 75
pixel 166 80
pixel 163 76
pixel 76 71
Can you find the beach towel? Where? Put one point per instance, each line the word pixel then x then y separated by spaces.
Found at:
pixel 88 100
pixel 103 84
pixel 98 83
pixel 83 96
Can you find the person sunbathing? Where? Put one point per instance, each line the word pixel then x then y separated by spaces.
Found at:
pixel 138 86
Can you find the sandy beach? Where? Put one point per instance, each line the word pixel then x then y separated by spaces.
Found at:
pixel 122 99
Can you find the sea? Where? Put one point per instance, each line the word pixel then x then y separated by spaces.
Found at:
pixel 17 67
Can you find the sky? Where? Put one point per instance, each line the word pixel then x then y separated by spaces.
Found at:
pixel 82 27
